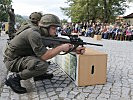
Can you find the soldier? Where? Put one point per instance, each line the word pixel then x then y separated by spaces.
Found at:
pixel 27 56
pixel 11 29
pixel 33 22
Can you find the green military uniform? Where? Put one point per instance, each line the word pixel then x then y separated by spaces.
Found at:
pixel 23 54
pixel 34 19
pixel 24 27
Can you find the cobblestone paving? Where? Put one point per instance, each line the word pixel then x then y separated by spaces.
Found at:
pixel 119 84
pixel 3 71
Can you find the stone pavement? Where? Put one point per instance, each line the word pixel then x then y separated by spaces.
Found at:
pixel 3 71
pixel 119 84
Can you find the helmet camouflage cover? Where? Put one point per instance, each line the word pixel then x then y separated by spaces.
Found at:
pixel 35 16
pixel 50 20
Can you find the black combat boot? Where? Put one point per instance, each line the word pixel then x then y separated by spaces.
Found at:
pixel 14 82
pixel 44 76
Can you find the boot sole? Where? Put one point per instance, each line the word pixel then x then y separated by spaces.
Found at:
pixel 9 84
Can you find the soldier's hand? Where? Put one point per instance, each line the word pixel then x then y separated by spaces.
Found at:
pixel 80 50
pixel 66 47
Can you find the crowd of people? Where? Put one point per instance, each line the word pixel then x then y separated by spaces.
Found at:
pixel 116 31
pixel 108 31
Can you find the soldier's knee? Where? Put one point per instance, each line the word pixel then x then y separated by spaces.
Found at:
pixel 37 65
pixel 41 66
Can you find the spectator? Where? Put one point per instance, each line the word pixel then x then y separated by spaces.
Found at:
pixel 128 34
pixel 3 26
pixel 89 32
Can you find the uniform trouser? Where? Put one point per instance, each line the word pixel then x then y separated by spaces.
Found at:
pixel 27 67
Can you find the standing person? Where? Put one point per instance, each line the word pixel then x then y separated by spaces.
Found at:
pixel 27 56
pixel 3 26
pixel 11 29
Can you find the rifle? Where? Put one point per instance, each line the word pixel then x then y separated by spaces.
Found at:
pixel 73 39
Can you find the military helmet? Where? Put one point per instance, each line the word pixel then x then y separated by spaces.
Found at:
pixel 50 20
pixel 35 16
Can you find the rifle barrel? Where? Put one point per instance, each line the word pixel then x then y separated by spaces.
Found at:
pixel 93 44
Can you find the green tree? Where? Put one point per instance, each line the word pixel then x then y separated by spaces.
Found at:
pixel 104 10
pixel 4 4
pixel 64 21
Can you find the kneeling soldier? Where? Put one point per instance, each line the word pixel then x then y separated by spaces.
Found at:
pixel 27 56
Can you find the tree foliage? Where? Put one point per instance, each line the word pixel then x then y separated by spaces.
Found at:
pixel 4 4
pixel 86 10
pixel 64 21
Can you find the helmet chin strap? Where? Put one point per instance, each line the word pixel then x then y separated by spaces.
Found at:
pixel 44 31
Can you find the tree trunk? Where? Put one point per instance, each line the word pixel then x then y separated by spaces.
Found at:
pixel 105 12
